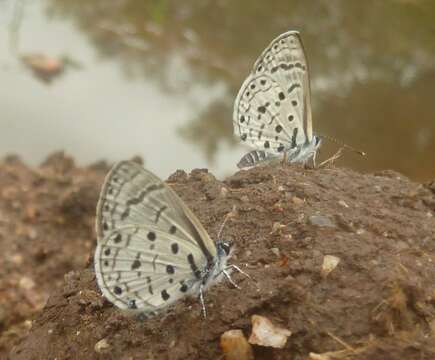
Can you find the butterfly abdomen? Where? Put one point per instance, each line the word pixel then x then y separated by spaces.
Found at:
pixel 253 158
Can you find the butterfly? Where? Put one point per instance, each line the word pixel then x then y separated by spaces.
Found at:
pixel 151 249
pixel 272 111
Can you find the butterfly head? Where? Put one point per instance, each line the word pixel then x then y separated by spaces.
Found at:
pixel 224 248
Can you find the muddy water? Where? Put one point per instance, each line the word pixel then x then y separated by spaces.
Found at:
pixel 159 78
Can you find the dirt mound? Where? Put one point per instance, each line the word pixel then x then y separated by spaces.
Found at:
pixel 378 303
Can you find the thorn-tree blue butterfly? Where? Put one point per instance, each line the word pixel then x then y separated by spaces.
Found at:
pixel 151 249
pixel 272 111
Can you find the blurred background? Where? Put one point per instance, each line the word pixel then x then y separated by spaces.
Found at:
pixel 109 79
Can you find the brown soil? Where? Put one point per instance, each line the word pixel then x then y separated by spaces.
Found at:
pixel 379 303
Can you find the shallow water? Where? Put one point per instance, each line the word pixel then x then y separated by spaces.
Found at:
pixel 159 79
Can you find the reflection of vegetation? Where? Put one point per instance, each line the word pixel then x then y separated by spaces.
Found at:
pixel 405 142
pixel 212 126
pixel 383 44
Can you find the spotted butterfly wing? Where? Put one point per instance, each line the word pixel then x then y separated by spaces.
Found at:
pixel 272 111
pixel 151 249
pixel 285 60
pixel 265 117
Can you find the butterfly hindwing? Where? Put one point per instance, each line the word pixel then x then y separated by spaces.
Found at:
pixel 266 116
pixel 145 268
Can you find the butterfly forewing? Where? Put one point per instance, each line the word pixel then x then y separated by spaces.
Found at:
pixel 151 248
pixel 133 195
pixel 284 59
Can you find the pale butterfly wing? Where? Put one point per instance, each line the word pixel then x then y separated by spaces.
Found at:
pixel 284 59
pixel 266 117
pixel 145 268
pixel 272 111
pixel 151 248
pixel 132 195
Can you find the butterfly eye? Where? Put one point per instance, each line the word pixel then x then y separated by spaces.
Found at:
pixel 318 140
pixel 226 247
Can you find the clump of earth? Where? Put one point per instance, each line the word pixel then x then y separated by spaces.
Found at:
pixel 344 261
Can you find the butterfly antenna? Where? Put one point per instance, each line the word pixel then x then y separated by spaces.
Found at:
pixel 343 145
pixel 227 216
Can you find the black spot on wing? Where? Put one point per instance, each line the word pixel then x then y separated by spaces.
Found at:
pixel 159 212
pixel 140 198
pixel 295 134
pixel 117 290
pixel 170 269
pixel 262 109
pixel 118 238
pixel 193 266
pixel 136 264
pixel 174 248
pixel 292 87
pixel 165 295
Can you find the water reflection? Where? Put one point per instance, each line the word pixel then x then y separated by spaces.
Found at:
pixel 170 72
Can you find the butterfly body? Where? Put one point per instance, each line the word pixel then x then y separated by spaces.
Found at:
pixel 305 151
pixel 302 154
pixel 272 111
pixel 151 249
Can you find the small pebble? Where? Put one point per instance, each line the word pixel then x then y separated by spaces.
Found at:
pixel 101 346
pixel 264 333
pixel 276 227
pixel 235 346
pixel 276 251
pixel 330 262
pixel 342 203
pixel 321 221
pixel 297 201
pixel 26 283
pixel 224 192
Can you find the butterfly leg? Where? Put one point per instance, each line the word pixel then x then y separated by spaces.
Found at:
pixel 238 269
pixel 314 159
pixel 334 157
pixel 227 275
pixel 284 158
pixel 201 300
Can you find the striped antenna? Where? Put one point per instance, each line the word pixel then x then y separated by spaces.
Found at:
pixel 227 216
pixel 344 146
